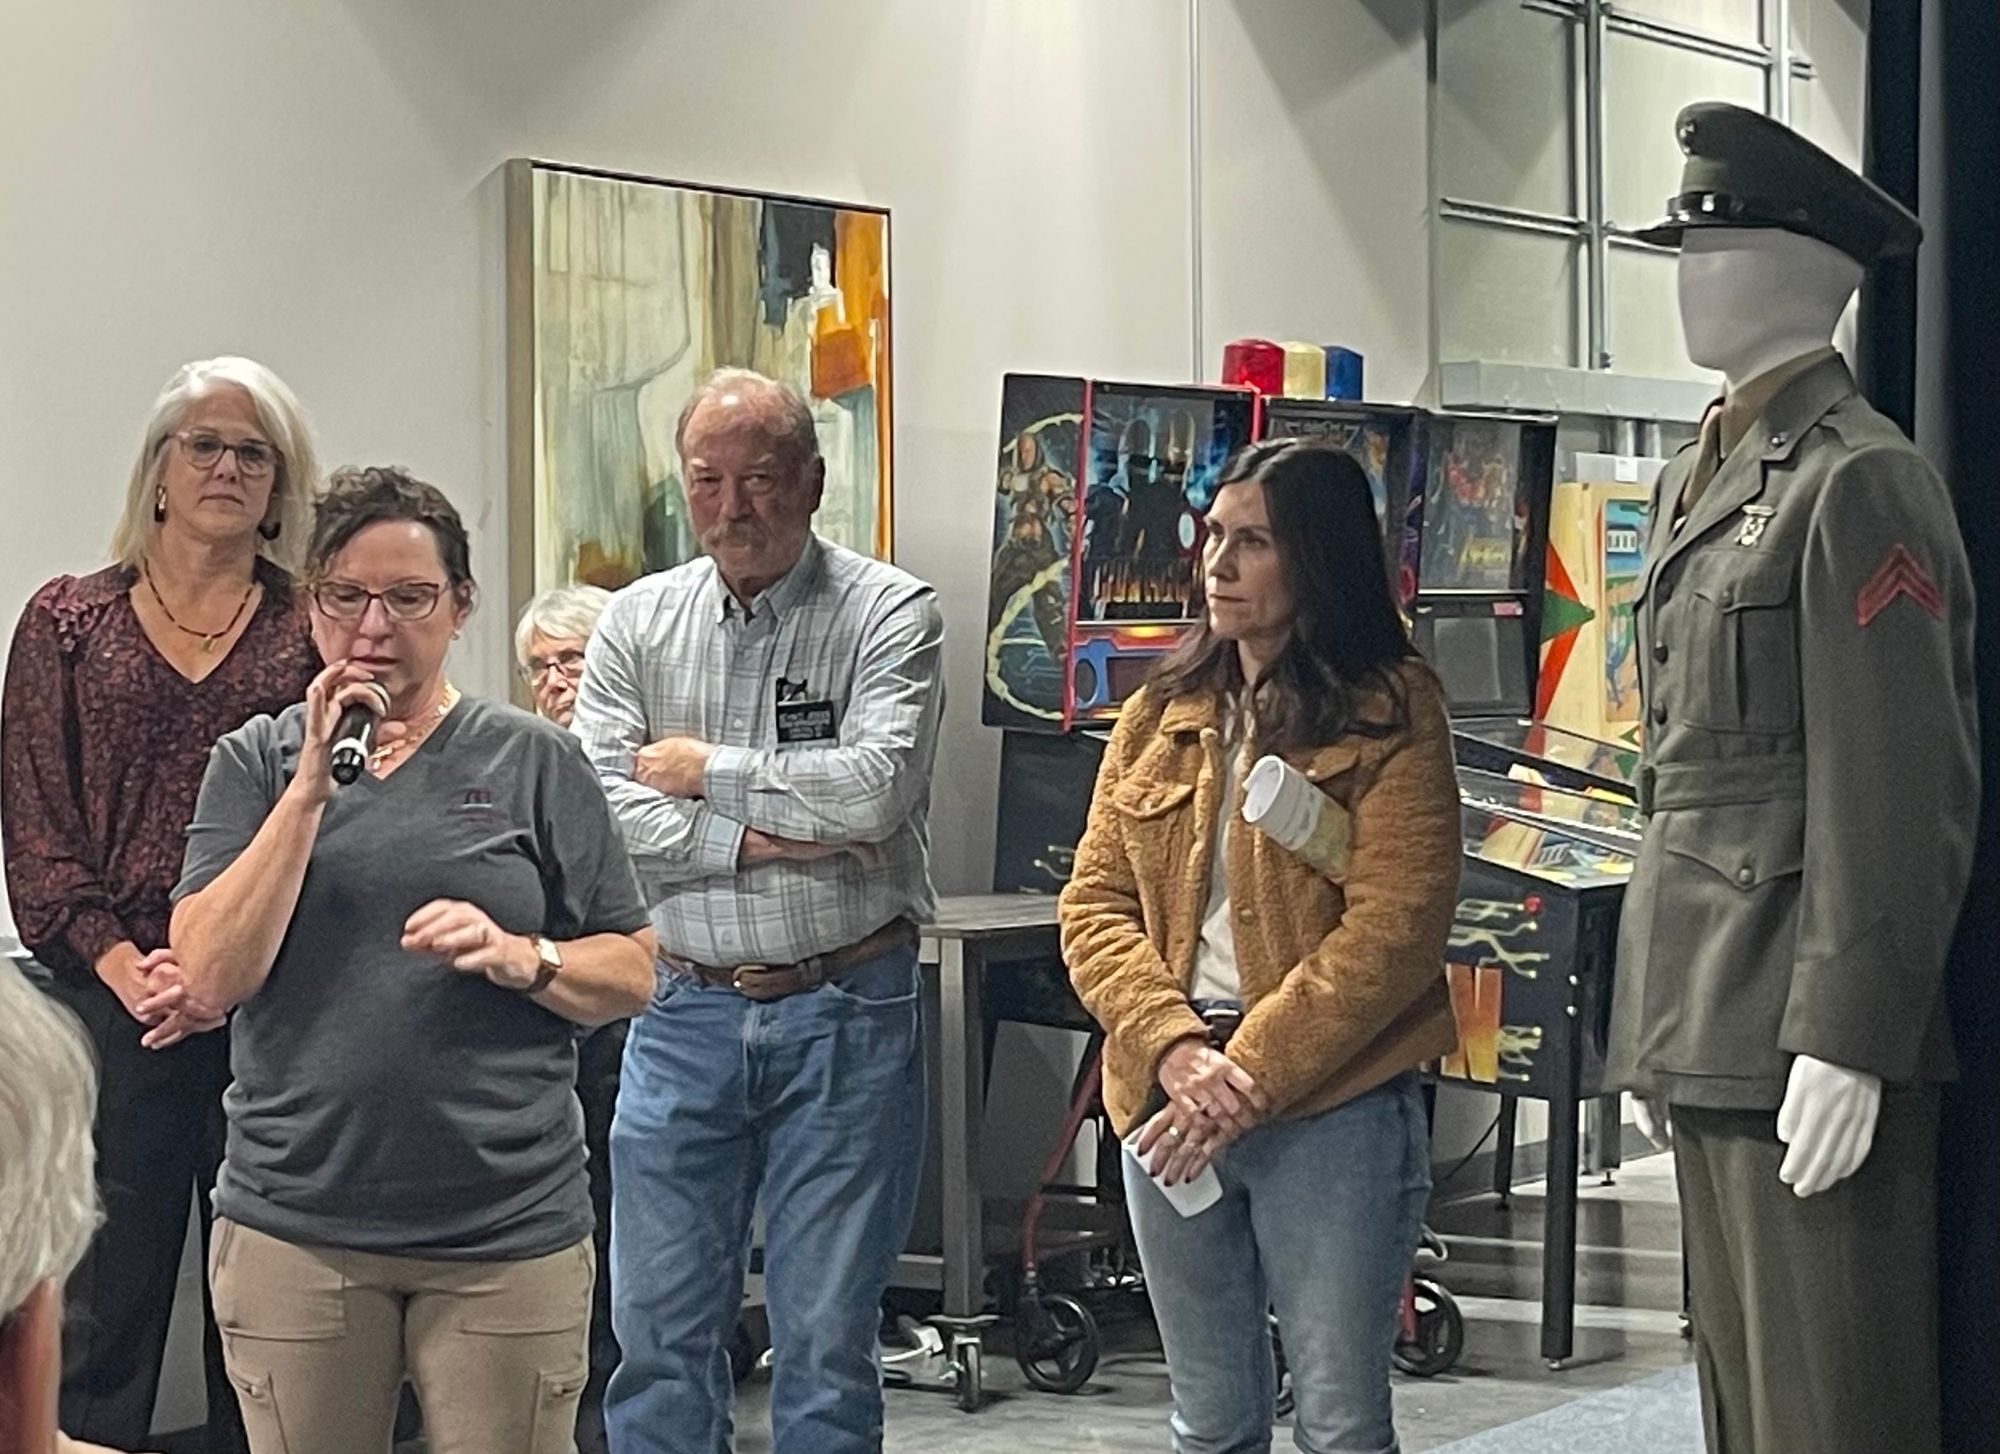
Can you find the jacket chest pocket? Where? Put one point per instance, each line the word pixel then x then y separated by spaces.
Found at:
pixel 1739 637
pixel 1157 821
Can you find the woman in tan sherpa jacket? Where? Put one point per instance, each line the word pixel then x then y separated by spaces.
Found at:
pixel 1310 1117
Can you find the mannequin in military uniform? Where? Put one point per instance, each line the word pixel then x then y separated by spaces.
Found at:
pixel 1810 772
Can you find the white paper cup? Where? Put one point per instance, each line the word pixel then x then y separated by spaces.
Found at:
pixel 1281 802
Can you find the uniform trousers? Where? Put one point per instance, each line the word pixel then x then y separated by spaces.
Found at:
pixel 1815 1319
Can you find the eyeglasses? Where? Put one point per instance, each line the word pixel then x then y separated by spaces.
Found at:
pixel 569 663
pixel 204 450
pixel 404 603
pixel 758 484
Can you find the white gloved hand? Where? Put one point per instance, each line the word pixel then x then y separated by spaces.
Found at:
pixel 1827 1122
pixel 1654 1120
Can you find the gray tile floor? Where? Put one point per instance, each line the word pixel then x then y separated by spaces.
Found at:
pixel 1628 1331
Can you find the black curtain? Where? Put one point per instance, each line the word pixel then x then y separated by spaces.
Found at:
pixel 1969 1202
pixel 1887 342
pixel 1964 310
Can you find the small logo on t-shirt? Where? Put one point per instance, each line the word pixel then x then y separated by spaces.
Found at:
pixel 478 798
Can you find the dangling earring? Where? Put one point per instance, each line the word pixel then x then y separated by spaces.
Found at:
pixel 159 504
pixel 270 528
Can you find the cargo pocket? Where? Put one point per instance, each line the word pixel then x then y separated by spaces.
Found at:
pixel 266 1431
pixel 1742 670
pixel 556 1398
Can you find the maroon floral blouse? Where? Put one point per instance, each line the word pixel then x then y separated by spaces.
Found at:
pixel 102 750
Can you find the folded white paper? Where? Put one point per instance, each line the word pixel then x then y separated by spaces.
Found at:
pixel 1189 1198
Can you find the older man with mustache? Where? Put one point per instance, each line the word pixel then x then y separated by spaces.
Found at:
pixel 764 720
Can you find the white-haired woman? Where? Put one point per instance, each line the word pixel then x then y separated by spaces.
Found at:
pixel 48 1204
pixel 549 643
pixel 118 684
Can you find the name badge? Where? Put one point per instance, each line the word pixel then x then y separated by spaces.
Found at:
pixel 800 722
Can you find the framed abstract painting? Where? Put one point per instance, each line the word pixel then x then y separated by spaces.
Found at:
pixel 623 293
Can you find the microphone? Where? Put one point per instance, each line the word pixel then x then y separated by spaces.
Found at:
pixel 354 734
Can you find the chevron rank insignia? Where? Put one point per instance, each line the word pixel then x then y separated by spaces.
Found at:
pixel 1898 575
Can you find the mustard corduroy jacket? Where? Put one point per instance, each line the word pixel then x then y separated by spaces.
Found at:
pixel 1342 983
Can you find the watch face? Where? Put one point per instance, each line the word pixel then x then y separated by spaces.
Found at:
pixel 546 948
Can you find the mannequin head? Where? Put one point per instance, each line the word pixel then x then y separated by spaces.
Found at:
pixel 1753 298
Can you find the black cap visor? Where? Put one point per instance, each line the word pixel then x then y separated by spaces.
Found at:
pixel 1722 209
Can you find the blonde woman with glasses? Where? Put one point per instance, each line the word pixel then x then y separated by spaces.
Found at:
pixel 118 683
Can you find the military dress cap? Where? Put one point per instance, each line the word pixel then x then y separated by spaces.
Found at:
pixel 1745 170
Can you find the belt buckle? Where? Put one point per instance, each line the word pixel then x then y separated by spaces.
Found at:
pixel 736 976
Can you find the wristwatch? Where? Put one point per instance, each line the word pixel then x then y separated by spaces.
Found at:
pixel 551 957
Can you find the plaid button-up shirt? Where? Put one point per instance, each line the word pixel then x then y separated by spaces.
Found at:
pixel 675 655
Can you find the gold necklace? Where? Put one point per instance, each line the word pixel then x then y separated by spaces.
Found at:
pixel 206 638
pixel 413 739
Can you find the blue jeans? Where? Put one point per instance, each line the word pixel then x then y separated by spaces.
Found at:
pixel 1319 1219
pixel 817 1100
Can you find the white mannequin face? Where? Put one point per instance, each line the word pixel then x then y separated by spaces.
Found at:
pixel 1756 297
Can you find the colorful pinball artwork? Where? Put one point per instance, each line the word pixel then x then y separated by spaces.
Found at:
pixel 1475 512
pixel 1100 495
pixel 1155 457
pixel 1491 940
pixel 1034 528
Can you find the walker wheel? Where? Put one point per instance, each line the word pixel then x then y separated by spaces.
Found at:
pixel 968 1372
pixel 1056 1343
pixel 1440 1332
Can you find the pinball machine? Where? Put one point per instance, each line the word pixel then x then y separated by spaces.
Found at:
pixel 1549 816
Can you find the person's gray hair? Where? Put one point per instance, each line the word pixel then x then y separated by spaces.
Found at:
pixel 48 1103
pixel 793 419
pixel 282 420
pixel 564 613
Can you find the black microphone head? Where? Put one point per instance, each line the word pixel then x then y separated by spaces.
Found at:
pixel 354 734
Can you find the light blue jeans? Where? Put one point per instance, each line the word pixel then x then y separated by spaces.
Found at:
pixel 1319 1219
pixel 817 1100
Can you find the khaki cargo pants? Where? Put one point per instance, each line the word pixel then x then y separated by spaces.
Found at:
pixel 318 1341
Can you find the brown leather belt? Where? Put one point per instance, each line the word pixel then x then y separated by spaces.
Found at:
pixel 763 982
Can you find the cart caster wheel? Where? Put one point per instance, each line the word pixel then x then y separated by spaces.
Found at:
pixel 1056 1343
pixel 968 1372
pixel 1440 1332
pixel 744 1351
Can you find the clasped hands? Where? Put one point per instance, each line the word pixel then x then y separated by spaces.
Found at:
pixel 1211 1101
pixel 153 989
pixel 676 767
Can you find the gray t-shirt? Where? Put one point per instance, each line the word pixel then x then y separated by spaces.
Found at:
pixel 381 1100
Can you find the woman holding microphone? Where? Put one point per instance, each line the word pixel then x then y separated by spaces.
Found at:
pixel 403 1186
